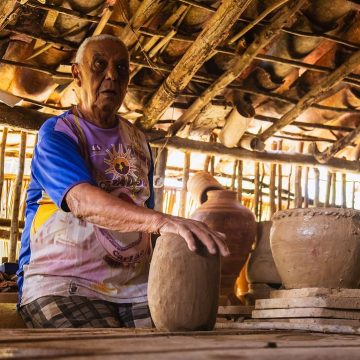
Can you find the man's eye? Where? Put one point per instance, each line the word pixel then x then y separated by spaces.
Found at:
pixel 122 68
pixel 100 64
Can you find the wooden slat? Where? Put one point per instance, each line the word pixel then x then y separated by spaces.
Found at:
pixel 183 195
pixel 2 159
pixel 159 179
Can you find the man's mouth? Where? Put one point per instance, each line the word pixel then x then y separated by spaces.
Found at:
pixel 109 92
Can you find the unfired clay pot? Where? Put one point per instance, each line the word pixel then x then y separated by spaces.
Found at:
pixel 183 287
pixel 223 213
pixel 199 185
pixel 317 247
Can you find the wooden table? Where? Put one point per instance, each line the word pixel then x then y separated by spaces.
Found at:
pixel 144 344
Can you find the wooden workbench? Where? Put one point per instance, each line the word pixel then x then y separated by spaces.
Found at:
pixel 144 344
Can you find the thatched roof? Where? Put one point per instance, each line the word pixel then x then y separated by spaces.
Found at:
pixel 290 67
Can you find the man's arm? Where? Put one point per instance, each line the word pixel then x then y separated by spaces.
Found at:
pixel 93 204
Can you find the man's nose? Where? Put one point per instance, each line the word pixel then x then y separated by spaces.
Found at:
pixel 111 72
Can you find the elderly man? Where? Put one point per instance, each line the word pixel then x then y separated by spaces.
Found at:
pixel 86 244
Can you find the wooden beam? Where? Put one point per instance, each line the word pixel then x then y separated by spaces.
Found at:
pixel 317 92
pixel 6 9
pixel 159 178
pixel 185 179
pixel 241 62
pixel 215 31
pixel 218 149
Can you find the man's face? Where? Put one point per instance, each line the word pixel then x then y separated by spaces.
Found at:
pixel 103 76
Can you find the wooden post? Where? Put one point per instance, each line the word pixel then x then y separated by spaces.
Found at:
pixel 317 187
pixel 256 189
pixel 353 195
pixel 207 162
pixel 239 181
pixel 279 193
pixel 306 186
pixel 159 179
pixel 289 188
pixel 328 188
pixel 298 173
pixel 343 190
pixel 333 188
pixel 183 196
pixel 2 160
pixel 14 230
pixel 233 178
pixel 261 203
pixel 212 166
pixel 272 183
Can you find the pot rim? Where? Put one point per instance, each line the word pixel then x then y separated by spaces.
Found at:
pixel 329 211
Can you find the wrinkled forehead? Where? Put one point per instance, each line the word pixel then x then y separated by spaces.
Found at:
pixel 108 48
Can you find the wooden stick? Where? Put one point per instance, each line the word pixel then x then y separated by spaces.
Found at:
pixel 279 187
pixel 333 188
pixel 256 189
pixel 212 165
pixel 14 230
pixel 240 181
pixel 298 174
pixel 261 203
pixel 215 31
pixel 207 162
pixel 317 187
pixel 272 183
pixel 343 190
pixel 159 179
pixel 183 196
pixel 328 188
pixel 317 92
pixel 353 195
pixel 2 160
pixel 218 149
pixel 240 64
pixel 6 9
pixel 234 174
pixel 306 186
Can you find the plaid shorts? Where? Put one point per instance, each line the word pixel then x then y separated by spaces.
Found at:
pixel 81 312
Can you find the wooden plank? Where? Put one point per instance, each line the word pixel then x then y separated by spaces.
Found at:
pixel 8 297
pixel 311 292
pixel 235 310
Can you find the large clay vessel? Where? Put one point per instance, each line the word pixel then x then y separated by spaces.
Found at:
pixel 223 213
pixel 199 185
pixel 183 287
pixel 317 247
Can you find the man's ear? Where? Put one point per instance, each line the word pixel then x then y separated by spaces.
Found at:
pixel 76 74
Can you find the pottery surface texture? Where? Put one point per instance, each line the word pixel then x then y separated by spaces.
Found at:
pixel 223 213
pixel 261 267
pixel 183 287
pixel 317 247
pixel 199 185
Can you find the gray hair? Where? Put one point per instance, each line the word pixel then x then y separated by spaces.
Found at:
pixel 81 50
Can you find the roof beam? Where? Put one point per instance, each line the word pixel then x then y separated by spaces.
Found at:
pixel 240 64
pixel 216 30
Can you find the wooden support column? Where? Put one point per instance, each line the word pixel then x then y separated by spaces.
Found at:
pixel 317 187
pixel 353 195
pixel 298 175
pixel 183 196
pixel 343 190
pixel 306 188
pixel 328 189
pixel 241 63
pixel 14 230
pixel 256 189
pixel 279 184
pixel 333 189
pixel 317 92
pixel 215 31
pixel 159 179
pixel 234 175
pixel 272 183
pixel 239 181
pixel 2 160
pixel 207 162
pixel 261 203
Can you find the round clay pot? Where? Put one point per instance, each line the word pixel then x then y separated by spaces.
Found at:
pixel 261 267
pixel 199 185
pixel 183 287
pixel 317 247
pixel 223 213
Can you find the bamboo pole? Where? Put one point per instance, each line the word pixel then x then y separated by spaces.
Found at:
pixel 183 196
pixel 333 189
pixel 317 92
pixel 328 189
pixel 317 187
pixel 159 179
pixel 14 230
pixel 240 181
pixel 215 31
pixel 240 64
pixel 279 185
pixel 272 183
pixel 233 177
pixel 343 190
pixel 2 160
pixel 256 189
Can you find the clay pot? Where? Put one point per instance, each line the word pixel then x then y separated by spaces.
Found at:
pixel 223 213
pixel 317 247
pixel 183 287
pixel 261 267
pixel 199 185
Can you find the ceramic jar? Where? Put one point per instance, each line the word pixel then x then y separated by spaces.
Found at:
pixel 318 247
pixel 199 185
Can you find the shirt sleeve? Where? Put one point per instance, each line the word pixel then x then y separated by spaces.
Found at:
pixel 57 165
pixel 150 202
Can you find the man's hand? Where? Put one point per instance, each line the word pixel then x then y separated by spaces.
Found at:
pixel 191 230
